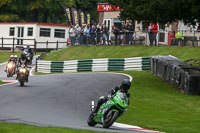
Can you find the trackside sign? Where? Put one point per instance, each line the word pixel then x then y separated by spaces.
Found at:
pixel 106 7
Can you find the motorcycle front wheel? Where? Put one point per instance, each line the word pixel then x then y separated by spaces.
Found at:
pixel 90 121
pixel 21 83
pixel 110 118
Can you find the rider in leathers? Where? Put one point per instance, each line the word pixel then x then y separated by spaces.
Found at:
pixel 124 87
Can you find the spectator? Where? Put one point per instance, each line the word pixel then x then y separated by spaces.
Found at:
pixel 179 37
pixel 127 28
pixel 78 34
pixel 131 33
pixel 98 34
pixel 104 35
pixel 83 34
pixel 116 32
pixel 93 35
pixel 122 31
pixel 72 35
pixel 87 32
pixel 153 30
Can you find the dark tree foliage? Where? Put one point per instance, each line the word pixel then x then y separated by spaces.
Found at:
pixel 45 11
pixel 162 11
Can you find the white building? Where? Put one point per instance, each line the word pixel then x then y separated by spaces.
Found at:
pixel 23 34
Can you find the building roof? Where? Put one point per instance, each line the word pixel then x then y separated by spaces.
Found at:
pixel 45 24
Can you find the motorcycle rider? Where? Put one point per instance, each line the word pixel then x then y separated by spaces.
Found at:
pixel 24 61
pixel 123 87
pixel 14 59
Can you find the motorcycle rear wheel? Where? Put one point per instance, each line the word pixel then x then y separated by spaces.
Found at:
pixel 109 123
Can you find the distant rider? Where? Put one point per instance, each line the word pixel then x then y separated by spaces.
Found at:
pixel 123 87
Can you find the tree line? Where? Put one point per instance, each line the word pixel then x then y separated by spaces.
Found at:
pixel 45 11
pixel 51 11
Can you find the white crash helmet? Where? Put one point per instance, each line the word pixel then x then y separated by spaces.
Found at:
pixel 11 56
pixel 16 56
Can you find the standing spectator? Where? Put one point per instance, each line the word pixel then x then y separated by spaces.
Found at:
pixel 127 28
pixel 83 34
pixel 131 33
pixel 122 31
pixel 72 35
pixel 153 30
pixel 93 35
pixel 87 32
pixel 78 34
pixel 116 32
pixel 98 34
pixel 104 35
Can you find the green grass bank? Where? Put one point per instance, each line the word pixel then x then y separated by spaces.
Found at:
pixel 154 104
pixel 93 52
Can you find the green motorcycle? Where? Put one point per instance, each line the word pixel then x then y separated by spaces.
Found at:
pixel 110 110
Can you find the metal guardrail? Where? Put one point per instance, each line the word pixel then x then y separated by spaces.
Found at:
pixel 106 64
pixel 34 44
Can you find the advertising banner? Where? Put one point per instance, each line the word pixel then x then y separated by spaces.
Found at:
pixel 81 17
pixel 67 14
pixel 74 16
pixel 88 18
pixel 106 7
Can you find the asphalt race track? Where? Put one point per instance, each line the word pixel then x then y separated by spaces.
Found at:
pixel 61 100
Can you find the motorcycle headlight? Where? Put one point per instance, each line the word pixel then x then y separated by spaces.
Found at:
pixel 22 70
pixel 9 65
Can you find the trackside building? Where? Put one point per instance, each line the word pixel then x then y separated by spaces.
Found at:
pixel 23 34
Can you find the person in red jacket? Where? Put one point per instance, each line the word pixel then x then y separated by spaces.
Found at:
pixel 153 30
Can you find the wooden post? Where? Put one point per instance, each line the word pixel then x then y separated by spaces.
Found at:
pixel 13 44
pixel 57 45
pixel 2 42
pixel 47 47
pixel 35 46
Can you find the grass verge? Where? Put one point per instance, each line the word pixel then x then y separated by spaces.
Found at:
pixel 1 82
pixel 156 105
pixel 4 56
pixel 24 128
pixel 93 52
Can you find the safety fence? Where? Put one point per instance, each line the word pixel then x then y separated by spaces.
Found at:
pixel 178 73
pixel 105 64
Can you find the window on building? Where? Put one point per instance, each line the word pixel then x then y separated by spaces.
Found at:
pixel 45 32
pixel 30 31
pixel 59 33
pixel 12 31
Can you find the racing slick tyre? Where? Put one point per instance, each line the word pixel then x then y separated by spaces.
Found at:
pixel 90 121
pixel 110 118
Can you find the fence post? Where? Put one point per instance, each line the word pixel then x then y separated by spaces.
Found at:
pixel 47 47
pixel 13 44
pixel 2 42
pixel 193 39
pixel 36 63
pixel 57 45
pixel 35 46
pixel 146 38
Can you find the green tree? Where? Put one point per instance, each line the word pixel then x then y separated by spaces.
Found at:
pixel 162 11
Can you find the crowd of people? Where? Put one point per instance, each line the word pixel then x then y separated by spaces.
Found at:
pixel 101 35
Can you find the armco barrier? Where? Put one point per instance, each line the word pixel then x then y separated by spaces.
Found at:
pixel 177 73
pixel 106 64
